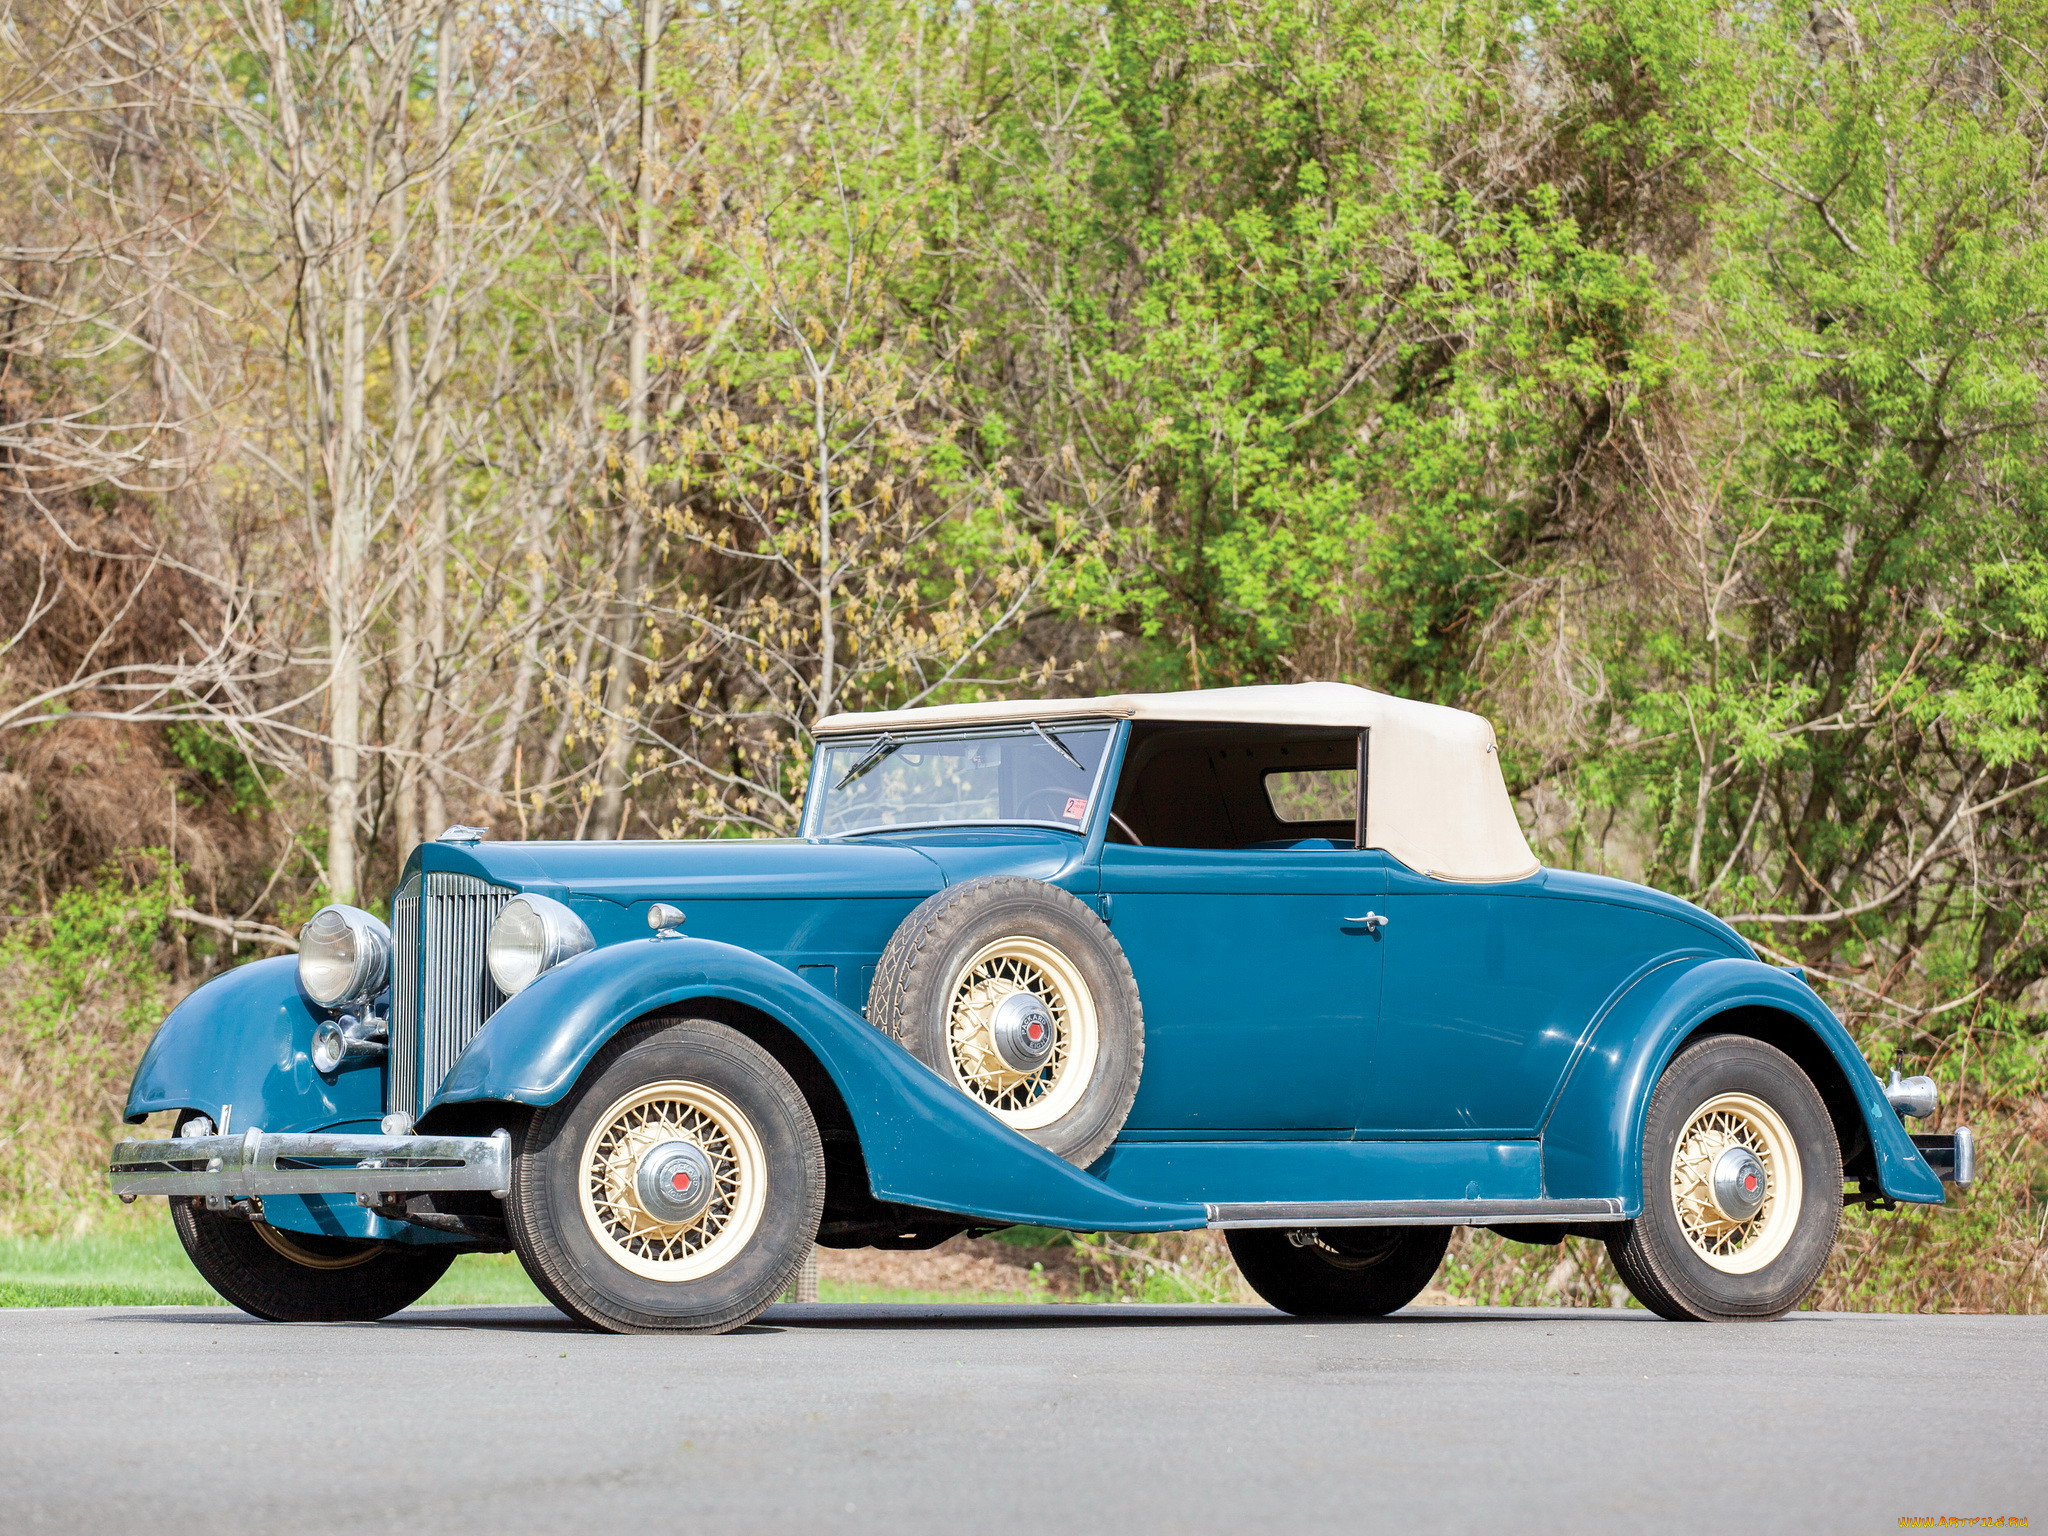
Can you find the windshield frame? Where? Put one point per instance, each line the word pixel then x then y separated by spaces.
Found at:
pixel 815 791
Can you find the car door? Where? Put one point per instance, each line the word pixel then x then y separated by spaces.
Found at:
pixel 1259 992
pixel 1487 991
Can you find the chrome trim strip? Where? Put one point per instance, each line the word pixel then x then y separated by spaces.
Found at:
pixel 247 1164
pixel 458 995
pixel 402 1085
pixel 1411 1213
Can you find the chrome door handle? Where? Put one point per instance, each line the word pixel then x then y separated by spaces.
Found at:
pixel 1372 922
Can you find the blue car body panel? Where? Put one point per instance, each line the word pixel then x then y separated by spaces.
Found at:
pixel 238 1047
pixel 1489 1041
pixel 925 1142
pixel 242 1040
pixel 1593 1142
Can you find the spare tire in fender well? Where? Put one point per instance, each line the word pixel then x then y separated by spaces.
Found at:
pixel 1015 992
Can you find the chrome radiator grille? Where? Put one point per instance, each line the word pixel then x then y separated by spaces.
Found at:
pixel 441 991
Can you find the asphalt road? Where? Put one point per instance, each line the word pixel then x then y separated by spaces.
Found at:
pixel 1041 1419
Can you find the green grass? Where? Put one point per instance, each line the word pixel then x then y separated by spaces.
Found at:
pixel 134 1260
pixel 129 1263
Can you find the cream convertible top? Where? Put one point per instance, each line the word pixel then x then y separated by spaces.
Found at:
pixel 1435 798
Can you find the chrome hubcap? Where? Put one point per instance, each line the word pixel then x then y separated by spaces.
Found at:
pixel 1023 1031
pixel 1739 1184
pixel 675 1182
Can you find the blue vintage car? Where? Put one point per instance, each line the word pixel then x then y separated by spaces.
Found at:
pixel 1276 961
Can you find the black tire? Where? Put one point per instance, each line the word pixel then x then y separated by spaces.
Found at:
pixel 766 1228
pixel 1339 1271
pixel 925 966
pixel 1667 1270
pixel 289 1277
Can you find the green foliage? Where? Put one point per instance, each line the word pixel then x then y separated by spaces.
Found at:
pixel 222 765
pixel 94 949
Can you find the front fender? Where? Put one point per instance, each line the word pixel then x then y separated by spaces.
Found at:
pixel 925 1142
pixel 243 1040
pixel 1592 1143
pixel 237 1050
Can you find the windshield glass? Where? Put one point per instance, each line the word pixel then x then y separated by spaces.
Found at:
pixel 992 774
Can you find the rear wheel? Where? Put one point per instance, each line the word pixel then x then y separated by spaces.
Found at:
pixel 1741 1187
pixel 676 1190
pixel 291 1277
pixel 1339 1271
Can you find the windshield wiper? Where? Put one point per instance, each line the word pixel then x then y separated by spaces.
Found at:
pixel 868 759
pixel 1060 746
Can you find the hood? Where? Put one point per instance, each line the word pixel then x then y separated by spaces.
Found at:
pixel 630 872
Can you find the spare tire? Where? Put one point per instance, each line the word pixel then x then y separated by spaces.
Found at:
pixel 1016 993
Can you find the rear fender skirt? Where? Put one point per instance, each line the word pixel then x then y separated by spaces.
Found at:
pixel 925 1142
pixel 1592 1143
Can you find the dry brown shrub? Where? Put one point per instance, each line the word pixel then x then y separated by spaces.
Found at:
pixel 60 1109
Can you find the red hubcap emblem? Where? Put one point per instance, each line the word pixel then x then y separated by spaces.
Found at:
pixel 1749 1183
pixel 681 1183
pixel 1036 1031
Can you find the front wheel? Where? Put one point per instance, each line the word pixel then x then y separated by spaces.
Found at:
pixel 1339 1271
pixel 1742 1180
pixel 292 1277
pixel 676 1190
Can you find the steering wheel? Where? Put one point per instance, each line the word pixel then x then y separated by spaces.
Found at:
pixel 1055 803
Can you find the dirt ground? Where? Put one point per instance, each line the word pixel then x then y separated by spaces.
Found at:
pixel 986 1267
pixel 968 1266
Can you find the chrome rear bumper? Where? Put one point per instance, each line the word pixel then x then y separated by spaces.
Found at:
pixel 1952 1157
pixel 254 1163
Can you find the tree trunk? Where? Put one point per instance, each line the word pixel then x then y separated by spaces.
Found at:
pixel 625 628
pixel 348 536
pixel 433 738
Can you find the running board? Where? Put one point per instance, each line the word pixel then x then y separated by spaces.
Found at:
pixel 1412 1213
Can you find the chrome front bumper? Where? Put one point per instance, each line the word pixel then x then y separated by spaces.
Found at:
pixel 254 1163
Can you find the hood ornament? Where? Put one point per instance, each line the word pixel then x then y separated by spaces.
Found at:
pixel 462 834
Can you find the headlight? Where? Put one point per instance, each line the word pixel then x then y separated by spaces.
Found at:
pixel 344 956
pixel 533 934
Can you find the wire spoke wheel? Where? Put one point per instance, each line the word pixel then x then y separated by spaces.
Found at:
pixel 635 1231
pixel 317 1252
pixel 1729 1241
pixel 1023 1095
pixel 1016 992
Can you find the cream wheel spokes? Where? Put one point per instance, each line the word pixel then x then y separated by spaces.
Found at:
pixel 300 1254
pixel 673 1180
pixel 1734 1149
pixel 1021 1031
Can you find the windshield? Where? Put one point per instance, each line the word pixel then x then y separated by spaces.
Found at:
pixel 1043 774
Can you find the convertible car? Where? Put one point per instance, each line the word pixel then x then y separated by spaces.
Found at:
pixel 1276 961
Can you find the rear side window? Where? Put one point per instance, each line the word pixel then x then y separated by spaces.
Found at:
pixel 1313 794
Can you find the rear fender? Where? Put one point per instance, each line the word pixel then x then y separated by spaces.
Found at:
pixel 925 1142
pixel 1592 1143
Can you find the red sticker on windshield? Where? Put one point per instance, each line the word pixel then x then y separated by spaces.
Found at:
pixel 1076 808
